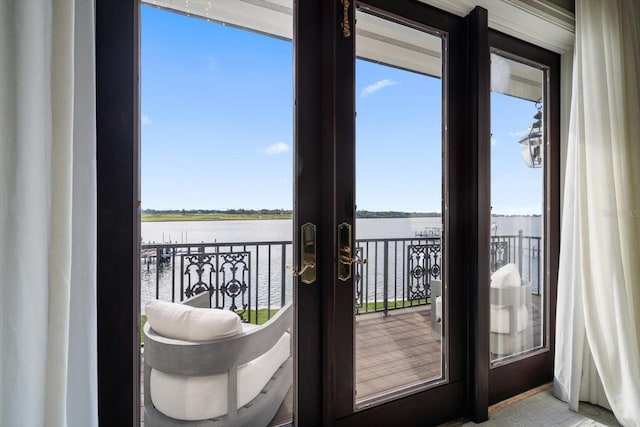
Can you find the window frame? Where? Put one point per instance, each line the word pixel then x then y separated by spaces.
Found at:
pixel 117 26
pixel 535 367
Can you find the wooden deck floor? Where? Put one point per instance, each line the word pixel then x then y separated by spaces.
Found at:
pixel 400 350
pixel 397 350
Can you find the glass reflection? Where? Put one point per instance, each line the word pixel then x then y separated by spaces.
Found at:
pixel 517 287
pixel 399 303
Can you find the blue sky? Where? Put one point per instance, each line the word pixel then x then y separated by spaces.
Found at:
pixel 217 126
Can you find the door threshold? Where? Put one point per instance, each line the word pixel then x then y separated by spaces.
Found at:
pixel 503 404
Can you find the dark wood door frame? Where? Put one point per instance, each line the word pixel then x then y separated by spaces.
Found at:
pixel 118 150
pixel 312 190
pixel 118 251
pixel 324 107
pixel 466 392
pixel 521 375
pixel 479 168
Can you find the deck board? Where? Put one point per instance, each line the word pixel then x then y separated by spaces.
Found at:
pixel 398 349
pixel 395 350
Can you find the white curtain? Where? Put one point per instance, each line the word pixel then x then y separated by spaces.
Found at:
pixel 598 322
pixel 48 353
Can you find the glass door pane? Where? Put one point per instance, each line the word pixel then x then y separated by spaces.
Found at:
pixel 400 301
pixel 216 166
pixel 518 288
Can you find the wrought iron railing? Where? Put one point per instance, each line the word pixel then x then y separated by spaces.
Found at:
pixel 398 273
pixel 250 277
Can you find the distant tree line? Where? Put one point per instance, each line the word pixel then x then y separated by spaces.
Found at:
pixel 516 215
pixel 395 214
pixel 288 212
pixel 216 211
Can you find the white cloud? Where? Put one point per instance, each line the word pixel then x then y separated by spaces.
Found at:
pixel 277 148
pixel 145 120
pixel 373 88
pixel 494 142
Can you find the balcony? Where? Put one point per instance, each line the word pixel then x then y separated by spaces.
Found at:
pixel 392 298
pixel 251 279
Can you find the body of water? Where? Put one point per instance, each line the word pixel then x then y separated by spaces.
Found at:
pixel 266 279
pixel 281 229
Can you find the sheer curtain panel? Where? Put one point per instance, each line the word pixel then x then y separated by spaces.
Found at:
pixel 47 214
pixel 597 341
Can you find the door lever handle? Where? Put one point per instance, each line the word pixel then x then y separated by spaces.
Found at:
pixel 345 257
pixel 307 273
pixel 345 254
pixel 307 265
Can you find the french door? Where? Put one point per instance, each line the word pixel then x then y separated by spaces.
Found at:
pixel 391 119
pixel 377 149
pixel 403 155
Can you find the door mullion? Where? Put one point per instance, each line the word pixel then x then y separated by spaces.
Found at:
pixel 479 145
pixel 309 200
pixel 344 143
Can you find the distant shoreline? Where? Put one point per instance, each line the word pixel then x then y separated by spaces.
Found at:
pixel 209 217
pixel 250 216
pixel 152 215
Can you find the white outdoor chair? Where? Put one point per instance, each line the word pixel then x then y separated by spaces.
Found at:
pixel 510 298
pixel 203 367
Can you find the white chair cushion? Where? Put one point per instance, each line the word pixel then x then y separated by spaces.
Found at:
pixel 183 322
pixel 506 276
pixel 439 309
pixel 500 319
pixel 204 397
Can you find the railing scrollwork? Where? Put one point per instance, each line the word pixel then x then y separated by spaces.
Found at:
pixel 250 278
pixel 224 275
pixel 423 265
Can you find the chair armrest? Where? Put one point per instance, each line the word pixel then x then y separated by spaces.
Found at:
pixel 180 357
pixel 515 296
pixel 436 288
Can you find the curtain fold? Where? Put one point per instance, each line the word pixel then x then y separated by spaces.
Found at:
pixel 48 346
pixel 598 307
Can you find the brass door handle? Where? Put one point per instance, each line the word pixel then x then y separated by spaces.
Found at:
pixel 345 257
pixel 307 273
pixel 345 254
pixel 307 265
